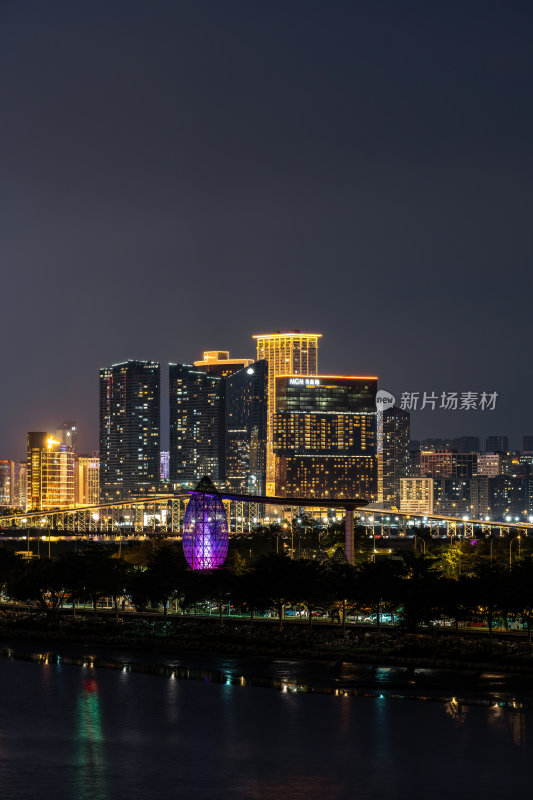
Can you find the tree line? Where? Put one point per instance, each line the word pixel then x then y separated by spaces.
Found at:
pixel 414 589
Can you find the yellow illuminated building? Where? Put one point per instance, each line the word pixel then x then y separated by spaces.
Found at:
pixel 87 481
pixel 218 362
pixel 293 353
pixel 50 473
pixel 416 495
pixel 325 436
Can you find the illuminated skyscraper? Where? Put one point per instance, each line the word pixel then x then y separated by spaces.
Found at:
pixel 479 496
pixel 293 353
pixel 67 434
pixel 13 484
pixel 50 473
pixel 447 464
pixel 416 495
pixel 325 436
pixel 218 362
pixel 393 453
pixel 87 480
pixel 7 478
pixel 196 425
pixel 246 423
pixel 129 428
pixel 164 465
pixel 20 485
pixel 489 464
pixel 36 447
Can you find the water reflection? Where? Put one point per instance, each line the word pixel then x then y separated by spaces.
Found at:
pixel 91 765
pixel 379 677
pixel 117 733
pixel 456 710
pixel 517 723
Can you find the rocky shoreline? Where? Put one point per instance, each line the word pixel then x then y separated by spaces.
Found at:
pixel 180 635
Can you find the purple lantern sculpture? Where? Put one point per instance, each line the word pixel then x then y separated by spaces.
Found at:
pixel 205 528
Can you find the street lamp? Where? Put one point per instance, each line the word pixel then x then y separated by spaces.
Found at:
pixel 490 547
pixel 46 521
pixel 516 538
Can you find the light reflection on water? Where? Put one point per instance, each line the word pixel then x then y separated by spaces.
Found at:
pixel 76 734
pixel 90 757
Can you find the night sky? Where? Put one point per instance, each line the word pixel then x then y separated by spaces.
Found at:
pixel 177 176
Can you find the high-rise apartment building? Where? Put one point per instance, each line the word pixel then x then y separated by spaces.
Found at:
pixel 416 495
pixel 447 464
pixel 324 430
pixel 129 428
pixel 7 479
pixel 87 480
pixel 293 353
pixel 489 464
pixel 452 496
pixel 196 425
pixel 511 497
pixel 466 444
pixel 50 473
pixel 497 444
pixel 393 460
pixel 246 400
pixel 20 485
pixel 218 362
pixel 164 465
pixel 527 444
pixel 13 484
pixel 67 434
pixel 480 505
pixel 432 444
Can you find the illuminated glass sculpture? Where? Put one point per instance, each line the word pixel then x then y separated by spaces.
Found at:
pixel 205 528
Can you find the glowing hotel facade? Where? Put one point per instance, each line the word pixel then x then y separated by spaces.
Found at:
pixel 325 436
pixel 50 472
pixel 293 353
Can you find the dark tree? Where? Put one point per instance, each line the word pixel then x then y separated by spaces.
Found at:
pixel 164 576
pixel 275 577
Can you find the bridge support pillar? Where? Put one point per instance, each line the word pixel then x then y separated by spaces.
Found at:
pixel 349 546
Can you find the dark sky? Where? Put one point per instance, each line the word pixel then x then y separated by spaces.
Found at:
pixel 176 176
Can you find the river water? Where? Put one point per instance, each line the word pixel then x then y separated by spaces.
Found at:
pixel 83 732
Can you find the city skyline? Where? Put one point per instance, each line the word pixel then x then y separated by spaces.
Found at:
pixel 219 170
pixel 265 418
pixel 446 424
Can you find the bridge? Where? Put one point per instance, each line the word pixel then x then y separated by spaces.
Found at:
pixel 164 513
pixel 455 525
pixel 147 512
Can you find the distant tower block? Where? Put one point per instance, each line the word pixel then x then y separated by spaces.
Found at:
pixel 205 528
pixel 67 434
